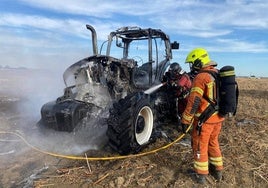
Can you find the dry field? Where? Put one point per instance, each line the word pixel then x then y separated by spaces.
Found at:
pixel 243 139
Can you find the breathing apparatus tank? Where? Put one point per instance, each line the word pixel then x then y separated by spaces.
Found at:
pixel 228 91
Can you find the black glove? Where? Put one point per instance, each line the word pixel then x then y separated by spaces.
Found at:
pixel 185 93
pixel 166 77
pixel 184 127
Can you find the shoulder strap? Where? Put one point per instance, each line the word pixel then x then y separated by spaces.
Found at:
pixel 212 107
pixel 216 79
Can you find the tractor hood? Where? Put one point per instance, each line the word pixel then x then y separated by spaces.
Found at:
pixel 85 81
pixel 84 71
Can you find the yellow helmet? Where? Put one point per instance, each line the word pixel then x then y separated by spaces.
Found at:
pixel 198 58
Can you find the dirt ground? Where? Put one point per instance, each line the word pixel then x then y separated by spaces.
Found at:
pixel 243 140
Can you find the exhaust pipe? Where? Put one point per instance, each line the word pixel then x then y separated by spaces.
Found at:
pixel 94 39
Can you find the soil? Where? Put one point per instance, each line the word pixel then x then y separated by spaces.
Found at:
pixel 243 140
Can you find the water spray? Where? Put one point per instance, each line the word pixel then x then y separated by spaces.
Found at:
pixel 154 88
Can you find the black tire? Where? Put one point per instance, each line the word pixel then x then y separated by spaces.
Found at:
pixel 131 124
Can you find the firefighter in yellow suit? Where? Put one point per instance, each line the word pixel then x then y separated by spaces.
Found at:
pixel 205 145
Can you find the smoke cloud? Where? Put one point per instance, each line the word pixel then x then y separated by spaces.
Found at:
pixel 27 90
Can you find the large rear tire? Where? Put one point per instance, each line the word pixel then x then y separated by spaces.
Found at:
pixel 131 124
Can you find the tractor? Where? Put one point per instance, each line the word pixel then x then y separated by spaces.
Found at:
pixel 124 78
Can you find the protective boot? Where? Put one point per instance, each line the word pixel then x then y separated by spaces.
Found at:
pixel 201 178
pixel 218 175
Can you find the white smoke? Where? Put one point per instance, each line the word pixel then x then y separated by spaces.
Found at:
pixel 34 88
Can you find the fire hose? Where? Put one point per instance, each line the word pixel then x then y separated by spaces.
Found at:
pixel 97 158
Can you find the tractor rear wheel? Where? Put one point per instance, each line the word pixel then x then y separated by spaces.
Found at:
pixel 131 124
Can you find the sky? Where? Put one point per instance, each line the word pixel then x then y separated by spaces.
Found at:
pixel 53 35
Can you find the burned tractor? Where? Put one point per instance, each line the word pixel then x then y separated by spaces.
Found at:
pixel 126 79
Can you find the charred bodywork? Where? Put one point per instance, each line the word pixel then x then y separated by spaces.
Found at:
pixel 117 79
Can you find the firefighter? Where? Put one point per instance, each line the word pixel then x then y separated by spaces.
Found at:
pixel 205 145
pixel 180 84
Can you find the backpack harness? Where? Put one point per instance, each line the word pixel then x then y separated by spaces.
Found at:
pixel 226 95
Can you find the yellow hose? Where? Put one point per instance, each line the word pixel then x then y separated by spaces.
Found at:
pixel 96 158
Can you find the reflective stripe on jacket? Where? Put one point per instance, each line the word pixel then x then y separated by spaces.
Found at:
pixel 203 85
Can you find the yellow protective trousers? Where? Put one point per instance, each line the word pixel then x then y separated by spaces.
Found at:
pixel 206 148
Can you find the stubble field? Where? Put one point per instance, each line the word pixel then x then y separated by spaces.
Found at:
pixel 243 140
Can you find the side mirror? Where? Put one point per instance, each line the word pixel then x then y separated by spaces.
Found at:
pixel 175 45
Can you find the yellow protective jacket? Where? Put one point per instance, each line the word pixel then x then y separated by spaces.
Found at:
pixel 203 87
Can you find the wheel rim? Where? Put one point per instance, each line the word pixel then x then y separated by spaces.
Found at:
pixel 144 125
